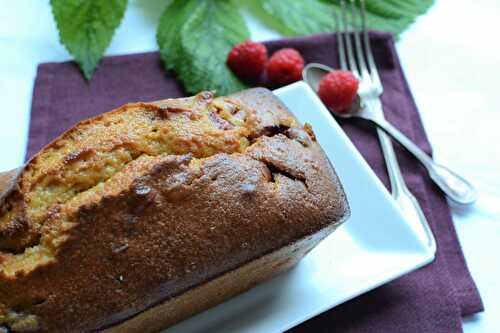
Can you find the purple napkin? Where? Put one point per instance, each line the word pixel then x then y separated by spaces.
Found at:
pixel 431 299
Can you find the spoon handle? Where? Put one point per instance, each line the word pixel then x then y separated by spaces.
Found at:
pixel 454 186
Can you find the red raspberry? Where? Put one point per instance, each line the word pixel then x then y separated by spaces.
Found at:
pixel 247 60
pixel 338 90
pixel 285 66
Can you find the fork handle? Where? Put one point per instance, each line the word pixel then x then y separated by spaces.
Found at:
pixel 402 195
pixel 454 186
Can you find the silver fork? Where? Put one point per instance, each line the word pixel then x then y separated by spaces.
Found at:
pixel 357 57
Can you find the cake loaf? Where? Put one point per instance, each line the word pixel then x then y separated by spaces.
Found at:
pixel 143 216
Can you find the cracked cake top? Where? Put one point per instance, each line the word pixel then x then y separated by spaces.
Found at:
pixel 152 199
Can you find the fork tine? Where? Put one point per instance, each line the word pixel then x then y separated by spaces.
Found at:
pixel 340 40
pixel 369 54
pixel 365 75
pixel 346 32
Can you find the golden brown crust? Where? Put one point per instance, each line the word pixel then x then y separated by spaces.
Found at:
pixel 220 288
pixel 166 222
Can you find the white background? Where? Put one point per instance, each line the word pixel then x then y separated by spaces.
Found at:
pixel 451 59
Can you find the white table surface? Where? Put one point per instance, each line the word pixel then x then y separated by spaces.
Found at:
pixel 451 59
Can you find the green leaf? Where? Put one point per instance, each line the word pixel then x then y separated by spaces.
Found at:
pixel 86 28
pixel 296 17
pixel 195 38
pixel 301 17
pixel 394 15
pixel 168 35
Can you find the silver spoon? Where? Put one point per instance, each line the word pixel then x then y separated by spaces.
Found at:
pixel 455 187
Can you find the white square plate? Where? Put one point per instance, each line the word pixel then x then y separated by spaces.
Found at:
pixel 376 245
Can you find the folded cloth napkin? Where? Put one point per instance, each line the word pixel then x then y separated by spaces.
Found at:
pixel 431 299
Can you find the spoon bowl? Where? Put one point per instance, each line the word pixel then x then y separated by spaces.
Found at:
pixel 313 73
